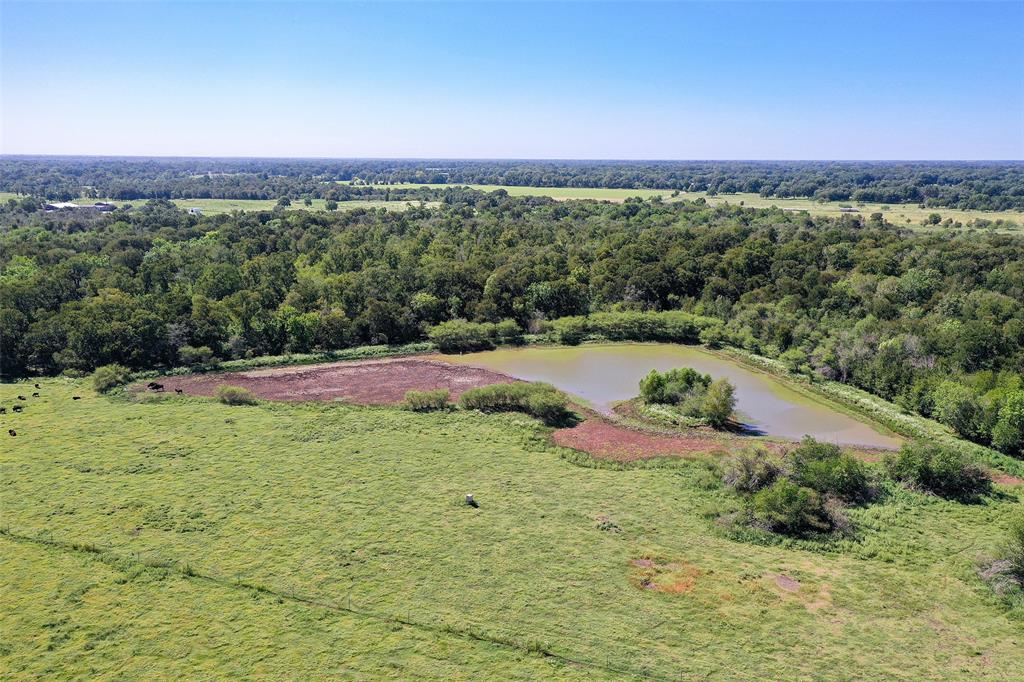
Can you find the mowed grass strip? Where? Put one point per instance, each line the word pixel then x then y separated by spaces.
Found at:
pixel 364 506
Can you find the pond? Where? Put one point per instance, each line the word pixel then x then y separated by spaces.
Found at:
pixel 607 373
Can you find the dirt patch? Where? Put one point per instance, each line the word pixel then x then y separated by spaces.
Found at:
pixel 364 382
pixel 606 440
pixel 1006 479
pixel 784 582
pixel 676 577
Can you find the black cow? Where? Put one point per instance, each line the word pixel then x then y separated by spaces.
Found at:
pixel 76 397
pixel 35 395
pixel 12 432
pixel 38 386
pixel 3 410
pixel 18 408
pixel 21 397
pixel 154 386
pixel 178 391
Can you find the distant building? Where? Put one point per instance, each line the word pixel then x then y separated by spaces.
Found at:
pixel 61 206
pixel 72 206
pixel 195 211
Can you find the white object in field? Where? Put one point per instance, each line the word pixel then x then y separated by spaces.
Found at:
pixel 469 499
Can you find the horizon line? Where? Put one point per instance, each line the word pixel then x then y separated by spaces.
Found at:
pixel 493 159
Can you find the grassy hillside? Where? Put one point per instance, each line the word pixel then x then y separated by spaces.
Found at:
pixel 299 537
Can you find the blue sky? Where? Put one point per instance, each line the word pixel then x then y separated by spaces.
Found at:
pixel 726 80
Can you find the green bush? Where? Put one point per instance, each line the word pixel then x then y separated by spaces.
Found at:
pixel 570 330
pixel 109 376
pixel 827 469
pixel 1008 432
pixel 672 326
pixel 460 336
pixel 672 387
pixel 235 395
pixel 718 403
pixel 201 356
pixel 540 400
pixel 457 336
pixel 940 470
pixel 427 401
pixel 692 393
pixel 751 471
pixel 785 507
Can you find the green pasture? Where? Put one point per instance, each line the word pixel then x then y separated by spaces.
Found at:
pixel 910 215
pixel 215 206
pixel 179 538
pixel 906 215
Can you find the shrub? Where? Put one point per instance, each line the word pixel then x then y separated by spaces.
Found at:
pixel 540 400
pixel 940 470
pixel 109 376
pixel 457 336
pixel 751 471
pixel 1013 548
pixel 570 330
pixel 959 407
pixel 235 395
pixel 693 393
pixel 785 507
pixel 196 357
pixel 672 387
pixel 1008 433
pixel 718 403
pixel 673 326
pixel 827 469
pixel 427 401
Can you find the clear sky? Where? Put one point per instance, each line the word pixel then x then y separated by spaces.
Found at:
pixel 726 80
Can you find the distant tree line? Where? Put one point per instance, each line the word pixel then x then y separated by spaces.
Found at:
pixel 965 185
pixel 932 321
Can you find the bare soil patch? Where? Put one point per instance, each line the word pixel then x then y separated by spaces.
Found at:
pixel 604 439
pixel 676 577
pixel 364 382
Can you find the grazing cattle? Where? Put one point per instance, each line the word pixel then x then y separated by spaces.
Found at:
pixel 18 408
pixel 154 386
pixel 76 397
pixel 178 391
pixel 38 386
pixel 12 432
pixel 21 397
pixel 3 410
pixel 35 395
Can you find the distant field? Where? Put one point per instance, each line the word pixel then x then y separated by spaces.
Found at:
pixel 215 206
pixel 900 214
pixel 894 213
pixel 326 540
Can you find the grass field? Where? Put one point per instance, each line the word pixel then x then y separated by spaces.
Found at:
pixel 899 214
pixel 178 537
pixel 215 206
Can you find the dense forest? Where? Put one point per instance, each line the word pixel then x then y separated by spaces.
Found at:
pixel 934 322
pixel 964 185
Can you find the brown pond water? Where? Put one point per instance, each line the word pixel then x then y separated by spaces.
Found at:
pixel 607 373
